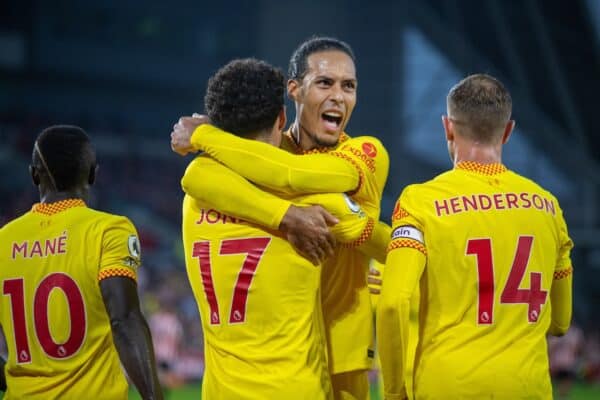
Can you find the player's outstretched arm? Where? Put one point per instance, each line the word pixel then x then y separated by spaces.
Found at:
pixel 131 334
pixel 277 169
pixel 215 185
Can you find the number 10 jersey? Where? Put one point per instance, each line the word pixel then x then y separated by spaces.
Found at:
pixel 52 312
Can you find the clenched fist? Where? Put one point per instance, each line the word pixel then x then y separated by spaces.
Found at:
pixel 182 133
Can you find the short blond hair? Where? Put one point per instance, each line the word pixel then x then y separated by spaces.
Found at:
pixel 482 105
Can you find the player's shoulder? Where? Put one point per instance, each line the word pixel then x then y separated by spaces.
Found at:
pixel 106 220
pixel 369 145
pixel 368 151
pixel 429 187
pixel 14 225
pixel 530 184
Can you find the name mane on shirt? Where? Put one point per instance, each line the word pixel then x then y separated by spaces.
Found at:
pixel 40 248
pixel 496 201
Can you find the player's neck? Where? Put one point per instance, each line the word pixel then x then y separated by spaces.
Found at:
pixel 303 141
pixel 482 154
pixel 52 196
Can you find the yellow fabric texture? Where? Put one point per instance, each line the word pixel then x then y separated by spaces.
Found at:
pixel 352 385
pixel 68 350
pixel 494 246
pixel 278 350
pixel 268 166
pixel 212 184
pixel 376 246
pixel 345 296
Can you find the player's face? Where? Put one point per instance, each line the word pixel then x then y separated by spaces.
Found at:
pixel 326 97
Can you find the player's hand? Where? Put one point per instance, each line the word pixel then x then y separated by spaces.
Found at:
pixel 374 281
pixel 182 133
pixel 307 230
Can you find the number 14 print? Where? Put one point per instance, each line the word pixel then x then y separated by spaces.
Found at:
pixel 534 297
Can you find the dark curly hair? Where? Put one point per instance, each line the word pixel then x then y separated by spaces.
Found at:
pixel 65 154
pixel 299 61
pixel 245 96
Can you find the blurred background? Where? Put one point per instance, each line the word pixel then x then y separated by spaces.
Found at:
pixel 126 70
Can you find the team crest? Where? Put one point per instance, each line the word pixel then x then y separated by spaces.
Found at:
pixel 133 243
pixel 369 149
pixel 352 205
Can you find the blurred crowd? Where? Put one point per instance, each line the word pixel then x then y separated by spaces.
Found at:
pixel 146 189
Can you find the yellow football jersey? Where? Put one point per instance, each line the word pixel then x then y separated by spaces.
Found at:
pixel 494 245
pixel 53 316
pixel 345 298
pixel 258 299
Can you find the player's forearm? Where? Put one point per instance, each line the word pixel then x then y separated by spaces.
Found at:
pixel 226 191
pixel 561 299
pixel 376 246
pixel 392 333
pixel 134 344
pixel 274 168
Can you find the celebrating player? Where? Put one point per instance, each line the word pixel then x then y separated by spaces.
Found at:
pixel 322 82
pixel 69 307
pixel 258 299
pixel 490 250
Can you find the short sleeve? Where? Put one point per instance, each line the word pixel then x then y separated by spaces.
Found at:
pixel 121 252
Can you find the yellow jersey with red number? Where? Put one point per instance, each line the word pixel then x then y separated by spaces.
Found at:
pixel 259 300
pixel 495 244
pixel 52 312
pixel 346 299
pixel 360 165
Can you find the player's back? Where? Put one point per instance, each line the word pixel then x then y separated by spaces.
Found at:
pixel 493 241
pixel 258 301
pixel 52 313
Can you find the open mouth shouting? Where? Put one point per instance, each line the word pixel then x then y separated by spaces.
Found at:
pixel 332 120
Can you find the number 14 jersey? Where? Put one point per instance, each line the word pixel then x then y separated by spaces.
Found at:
pixel 495 242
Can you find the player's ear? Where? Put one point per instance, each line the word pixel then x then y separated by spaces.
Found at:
pixel 92 174
pixel 448 128
pixel 282 119
pixel 293 89
pixel 34 175
pixel 508 129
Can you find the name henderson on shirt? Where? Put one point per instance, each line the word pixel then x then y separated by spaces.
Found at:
pixel 495 201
